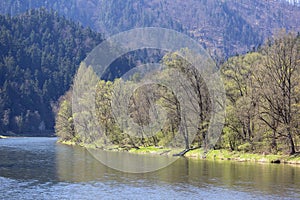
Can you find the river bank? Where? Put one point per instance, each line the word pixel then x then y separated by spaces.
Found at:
pixel 47 133
pixel 221 154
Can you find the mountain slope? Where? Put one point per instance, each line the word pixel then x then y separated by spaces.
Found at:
pixel 39 55
pixel 224 27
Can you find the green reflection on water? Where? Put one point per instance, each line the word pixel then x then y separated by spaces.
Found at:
pixel 78 165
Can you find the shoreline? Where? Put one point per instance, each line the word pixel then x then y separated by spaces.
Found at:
pixel 26 135
pixel 211 155
pixel 237 156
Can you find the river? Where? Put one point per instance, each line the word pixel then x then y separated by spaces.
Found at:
pixel 39 168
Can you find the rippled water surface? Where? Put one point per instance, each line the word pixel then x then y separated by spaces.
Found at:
pixel 38 168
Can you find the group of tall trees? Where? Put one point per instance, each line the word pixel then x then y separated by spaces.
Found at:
pixel 263 97
pixel 262 106
pixel 148 105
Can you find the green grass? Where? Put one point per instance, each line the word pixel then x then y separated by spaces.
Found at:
pixel 68 142
pixel 200 154
pixel 295 159
pixel 150 150
pixel 241 156
pixel 197 153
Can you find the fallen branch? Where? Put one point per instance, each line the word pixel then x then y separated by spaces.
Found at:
pixel 185 151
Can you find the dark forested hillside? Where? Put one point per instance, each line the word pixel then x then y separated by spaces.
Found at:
pixel 224 27
pixel 39 55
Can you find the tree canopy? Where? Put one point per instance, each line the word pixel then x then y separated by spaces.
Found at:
pixel 39 55
pixel 262 90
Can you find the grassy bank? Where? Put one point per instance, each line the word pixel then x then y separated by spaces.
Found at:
pixel 199 154
pixel 223 155
pixel 243 157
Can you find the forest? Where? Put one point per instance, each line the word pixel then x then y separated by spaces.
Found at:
pixel 224 27
pixel 39 55
pixel 149 99
pixel 262 104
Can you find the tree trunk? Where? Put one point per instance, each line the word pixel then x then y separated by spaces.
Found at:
pixel 182 153
pixel 293 151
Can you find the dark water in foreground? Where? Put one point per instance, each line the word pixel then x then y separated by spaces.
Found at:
pixel 38 168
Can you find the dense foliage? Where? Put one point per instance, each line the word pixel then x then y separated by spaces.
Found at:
pixel 263 98
pixel 262 90
pixel 39 55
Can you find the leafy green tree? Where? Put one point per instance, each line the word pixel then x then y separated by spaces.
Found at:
pixel 242 100
pixel 104 112
pixel 64 127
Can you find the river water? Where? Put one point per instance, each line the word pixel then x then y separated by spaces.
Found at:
pixel 39 168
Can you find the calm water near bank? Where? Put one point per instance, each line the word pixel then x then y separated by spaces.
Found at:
pixel 39 168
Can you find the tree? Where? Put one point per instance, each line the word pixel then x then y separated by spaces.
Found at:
pixel 242 99
pixel 197 96
pixel 278 81
pixel 64 124
pixel 104 112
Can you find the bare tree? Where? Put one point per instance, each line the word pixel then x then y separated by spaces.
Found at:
pixel 197 100
pixel 278 79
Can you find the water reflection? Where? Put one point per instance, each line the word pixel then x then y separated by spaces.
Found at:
pixel 77 164
pixel 30 165
pixel 133 163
